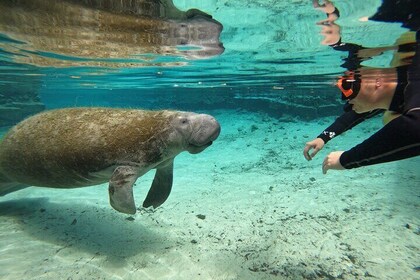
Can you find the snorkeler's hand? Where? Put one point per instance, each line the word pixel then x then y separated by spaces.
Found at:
pixel 332 161
pixel 328 8
pixel 316 144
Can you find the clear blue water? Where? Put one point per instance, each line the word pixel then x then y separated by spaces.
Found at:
pixel 262 69
pixel 270 48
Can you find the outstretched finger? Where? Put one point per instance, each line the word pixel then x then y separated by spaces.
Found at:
pixel 314 152
pixel 306 152
pixel 325 166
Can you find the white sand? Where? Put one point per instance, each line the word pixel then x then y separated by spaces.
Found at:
pixel 269 214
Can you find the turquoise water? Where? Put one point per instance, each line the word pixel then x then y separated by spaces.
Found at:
pixel 270 48
pixel 249 206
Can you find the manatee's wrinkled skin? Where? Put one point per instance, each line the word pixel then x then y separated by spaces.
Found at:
pixel 78 147
pixel 95 30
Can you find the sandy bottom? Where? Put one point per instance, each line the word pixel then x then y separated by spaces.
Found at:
pixel 249 207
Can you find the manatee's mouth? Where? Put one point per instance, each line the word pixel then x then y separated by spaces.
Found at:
pixel 195 149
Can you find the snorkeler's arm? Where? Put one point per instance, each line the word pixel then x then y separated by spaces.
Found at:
pixel 345 122
pixel 397 140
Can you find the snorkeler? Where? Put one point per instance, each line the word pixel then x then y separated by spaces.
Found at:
pixel 400 137
pixel 391 82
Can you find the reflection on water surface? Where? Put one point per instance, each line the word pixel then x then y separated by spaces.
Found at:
pixel 105 33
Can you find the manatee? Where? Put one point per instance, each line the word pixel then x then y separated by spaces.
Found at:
pixel 80 147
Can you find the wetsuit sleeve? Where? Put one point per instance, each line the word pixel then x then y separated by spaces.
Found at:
pixel 345 122
pixel 399 139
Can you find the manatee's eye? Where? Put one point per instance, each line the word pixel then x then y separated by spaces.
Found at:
pixel 184 121
pixel 183 126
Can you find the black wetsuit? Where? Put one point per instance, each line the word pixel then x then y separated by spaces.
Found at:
pixel 400 138
pixel 350 118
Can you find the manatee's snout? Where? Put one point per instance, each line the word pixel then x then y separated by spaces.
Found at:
pixel 206 130
pixel 215 128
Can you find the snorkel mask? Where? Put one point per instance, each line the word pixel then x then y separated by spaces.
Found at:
pixel 349 86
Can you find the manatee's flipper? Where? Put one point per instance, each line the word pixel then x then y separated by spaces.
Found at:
pixel 161 186
pixel 121 189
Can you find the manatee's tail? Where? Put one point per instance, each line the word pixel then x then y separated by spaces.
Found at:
pixel 8 186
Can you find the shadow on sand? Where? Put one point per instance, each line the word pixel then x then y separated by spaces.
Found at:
pixel 96 230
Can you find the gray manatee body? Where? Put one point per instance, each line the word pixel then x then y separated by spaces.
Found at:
pixel 79 147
